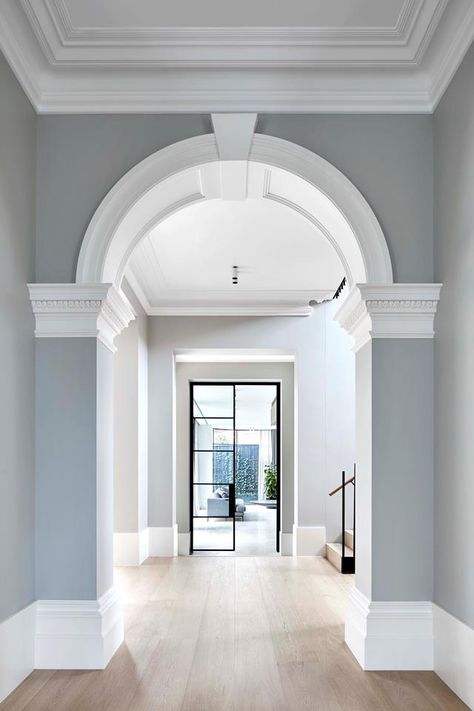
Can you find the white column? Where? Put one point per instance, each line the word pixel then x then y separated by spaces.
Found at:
pixel 389 619
pixel 79 620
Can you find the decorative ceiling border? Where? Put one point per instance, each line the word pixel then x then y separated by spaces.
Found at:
pixel 67 45
pixel 394 87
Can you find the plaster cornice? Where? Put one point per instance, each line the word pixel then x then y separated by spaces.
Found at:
pixel 80 311
pixel 389 311
pixel 69 69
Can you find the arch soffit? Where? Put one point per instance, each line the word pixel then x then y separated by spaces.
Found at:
pixel 190 171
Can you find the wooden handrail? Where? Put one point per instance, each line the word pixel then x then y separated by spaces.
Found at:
pixel 341 486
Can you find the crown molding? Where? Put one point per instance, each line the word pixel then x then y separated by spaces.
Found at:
pixel 66 69
pixel 80 311
pixel 223 303
pixel 389 311
pixel 233 310
pixel 285 100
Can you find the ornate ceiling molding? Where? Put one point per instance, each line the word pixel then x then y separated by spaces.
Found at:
pixel 65 44
pixel 389 311
pixel 80 311
pixel 69 69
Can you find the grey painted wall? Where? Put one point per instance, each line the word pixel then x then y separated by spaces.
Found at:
pixel 17 223
pixel 284 372
pixel 66 482
pixel 389 158
pixel 454 346
pixel 79 159
pixel 402 469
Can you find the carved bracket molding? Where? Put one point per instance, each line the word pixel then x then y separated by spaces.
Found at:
pixel 80 311
pixel 389 311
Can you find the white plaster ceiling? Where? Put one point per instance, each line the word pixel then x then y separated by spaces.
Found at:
pixel 184 265
pixel 123 14
pixel 307 55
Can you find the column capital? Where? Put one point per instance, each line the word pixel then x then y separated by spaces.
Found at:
pixel 389 311
pixel 80 311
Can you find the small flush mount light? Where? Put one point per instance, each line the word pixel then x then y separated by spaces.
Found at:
pixel 235 275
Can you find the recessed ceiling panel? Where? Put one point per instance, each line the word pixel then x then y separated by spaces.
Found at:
pixel 272 246
pixel 223 13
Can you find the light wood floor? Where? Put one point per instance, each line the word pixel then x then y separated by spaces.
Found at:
pixel 214 634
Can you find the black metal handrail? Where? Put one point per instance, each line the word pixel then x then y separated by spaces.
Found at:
pixel 347 562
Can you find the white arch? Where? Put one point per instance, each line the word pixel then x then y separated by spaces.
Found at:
pixel 190 171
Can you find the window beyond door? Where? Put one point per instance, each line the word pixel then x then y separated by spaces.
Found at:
pixel 234 463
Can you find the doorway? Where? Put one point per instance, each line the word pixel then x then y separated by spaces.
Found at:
pixel 235 467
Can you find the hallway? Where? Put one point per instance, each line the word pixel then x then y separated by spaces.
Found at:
pixel 254 535
pixel 209 634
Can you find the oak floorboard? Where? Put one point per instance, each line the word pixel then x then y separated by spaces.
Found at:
pixel 233 634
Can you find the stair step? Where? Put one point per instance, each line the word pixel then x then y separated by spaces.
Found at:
pixel 349 537
pixel 334 554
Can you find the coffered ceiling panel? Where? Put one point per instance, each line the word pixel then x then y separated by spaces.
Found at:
pixel 307 55
pixel 123 14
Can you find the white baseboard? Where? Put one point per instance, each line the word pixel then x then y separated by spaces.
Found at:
pixel 131 548
pixel 286 544
pixel 454 654
pixel 78 634
pixel 17 649
pixel 183 543
pixel 390 636
pixel 163 541
pixel 309 540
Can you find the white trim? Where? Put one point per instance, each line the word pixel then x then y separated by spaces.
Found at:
pixel 390 636
pixel 184 540
pixel 66 100
pixel 233 355
pixel 389 311
pixel 120 220
pixel 234 134
pixel 240 310
pixel 454 654
pixel 131 548
pixel 17 649
pixel 309 540
pixel 449 61
pixel 163 541
pixel 64 68
pixel 80 311
pixel 286 544
pixel 78 634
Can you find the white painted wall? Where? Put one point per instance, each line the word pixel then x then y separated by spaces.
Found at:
pixel 284 372
pixel 340 420
pixel 131 441
pixel 324 445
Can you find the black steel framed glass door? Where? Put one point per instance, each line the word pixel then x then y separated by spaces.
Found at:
pixel 212 466
pixel 234 466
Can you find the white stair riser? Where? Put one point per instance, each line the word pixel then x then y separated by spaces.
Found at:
pixel 349 538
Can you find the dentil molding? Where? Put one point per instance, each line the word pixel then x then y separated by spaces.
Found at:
pixel 389 311
pixel 80 311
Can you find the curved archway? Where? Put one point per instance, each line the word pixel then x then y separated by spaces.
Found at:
pixel 190 171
